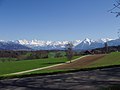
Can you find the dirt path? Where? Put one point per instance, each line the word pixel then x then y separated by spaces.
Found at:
pixel 78 63
pixel 82 80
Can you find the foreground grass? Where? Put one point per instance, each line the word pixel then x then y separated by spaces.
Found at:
pixel 110 60
pixel 17 66
pixel 52 72
pixel 112 87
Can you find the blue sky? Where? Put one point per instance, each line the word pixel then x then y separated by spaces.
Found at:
pixel 57 19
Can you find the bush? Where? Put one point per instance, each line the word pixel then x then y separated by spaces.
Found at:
pixel 26 56
pixel 7 59
pixel 51 55
pixel 60 54
pixel 33 55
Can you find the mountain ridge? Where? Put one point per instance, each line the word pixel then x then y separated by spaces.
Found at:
pixel 58 45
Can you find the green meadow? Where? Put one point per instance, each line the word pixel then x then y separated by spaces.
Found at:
pixel 23 65
pixel 109 60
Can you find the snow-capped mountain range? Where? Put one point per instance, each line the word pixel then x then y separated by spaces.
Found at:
pixel 56 45
pixel 11 45
pixel 46 45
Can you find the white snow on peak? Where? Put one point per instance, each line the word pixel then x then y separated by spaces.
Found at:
pixel 87 40
pixel 78 44
pixel 103 40
pixel 2 41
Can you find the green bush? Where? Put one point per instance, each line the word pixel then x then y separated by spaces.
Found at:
pixel 33 55
pixel 51 55
pixel 7 59
pixel 60 54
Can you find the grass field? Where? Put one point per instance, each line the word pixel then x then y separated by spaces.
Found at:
pixel 17 66
pixel 110 59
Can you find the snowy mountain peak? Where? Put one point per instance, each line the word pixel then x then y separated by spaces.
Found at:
pixel 87 40
pixel 103 40
pixel 59 45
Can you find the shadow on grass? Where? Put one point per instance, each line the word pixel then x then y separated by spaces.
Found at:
pixel 112 87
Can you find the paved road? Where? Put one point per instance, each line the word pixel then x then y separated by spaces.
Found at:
pixel 82 80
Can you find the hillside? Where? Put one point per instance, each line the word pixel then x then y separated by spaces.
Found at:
pixel 110 59
pixel 81 63
pixel 93 61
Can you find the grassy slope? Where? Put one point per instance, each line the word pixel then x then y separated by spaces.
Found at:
pixel 17 66
pixel 110 59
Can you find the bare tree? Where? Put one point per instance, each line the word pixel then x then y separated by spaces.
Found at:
pixel 115 9
pixel 118 33
pixel 69 51
pixel 106 47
